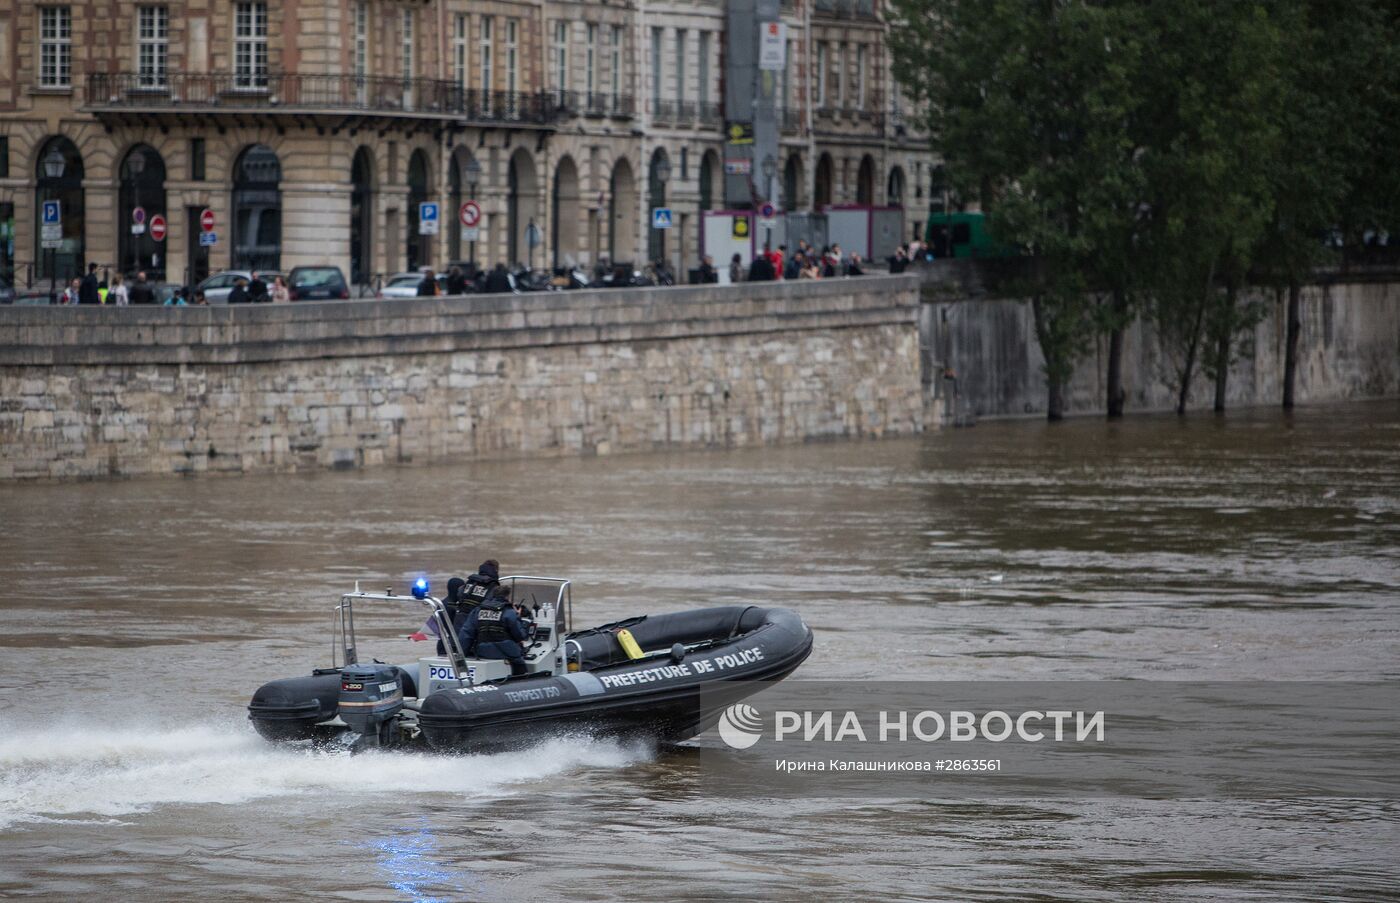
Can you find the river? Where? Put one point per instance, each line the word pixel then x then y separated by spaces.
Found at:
pixel 136 617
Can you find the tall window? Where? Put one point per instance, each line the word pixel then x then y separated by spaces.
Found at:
pixel 459 51
pixel 152 45
pixel 361 39
pixel 561 55
pixel 680 65
pixel 590 59
pixel 787 75
pixel 486 84
pixel 55 47
pixel 250 45
pixel 860 76
pixel 655 68
pixel 703 89
pixel 840 63
pixel 821 74
pixel 512 56
pixel 406 44
pixel 615 62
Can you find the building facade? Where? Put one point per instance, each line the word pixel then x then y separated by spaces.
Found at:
pixel 310 131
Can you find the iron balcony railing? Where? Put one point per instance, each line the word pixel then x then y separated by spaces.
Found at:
pixel 663 111
pixel 598 104
pixel 711 114
pixel 270 92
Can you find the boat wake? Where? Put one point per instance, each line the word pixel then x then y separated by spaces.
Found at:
pixel 81 775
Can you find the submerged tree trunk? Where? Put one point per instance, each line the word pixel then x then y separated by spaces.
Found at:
pixel 1188 368
pixel 1115 355
pixel 1290 352
pixel 1222 349
pixel 1054 382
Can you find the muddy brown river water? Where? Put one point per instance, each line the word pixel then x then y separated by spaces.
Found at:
pixel 136 618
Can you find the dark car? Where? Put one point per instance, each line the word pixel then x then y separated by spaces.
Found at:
pixel 317 284
pixel 7 293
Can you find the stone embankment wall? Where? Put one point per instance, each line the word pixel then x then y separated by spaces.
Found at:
pixel 1349 348
pixel 99 391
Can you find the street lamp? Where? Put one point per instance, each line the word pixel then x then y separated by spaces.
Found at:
pixel 661 172
pixel 135 165
pixel 473 173
pixel 770 169
pixel 53 168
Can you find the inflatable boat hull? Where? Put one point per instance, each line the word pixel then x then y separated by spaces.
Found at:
pixel 655 699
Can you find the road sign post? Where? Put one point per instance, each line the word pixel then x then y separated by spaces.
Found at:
pixel 52 227
pixel 469 215
pixel 428 218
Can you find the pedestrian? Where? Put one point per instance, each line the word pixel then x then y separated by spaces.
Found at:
pixel 736 269
pixel 279 291
pixel 456 281
pixel 257 290
pixel 794 267
pixel 499 281
pixel 118 292
pixel 761 270
pixel 87 289
pixel 199 299
pixel 707 270
pixel 853 268
pixel 177 297
pixel 239 294
pixel 141 291
pixel 72 294
pixel 899 262
pixel 427 286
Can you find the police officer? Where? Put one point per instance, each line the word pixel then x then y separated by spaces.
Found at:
pixel 494 630
pixel 480 585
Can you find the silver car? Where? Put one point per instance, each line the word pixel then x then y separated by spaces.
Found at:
pixel 405 285
pixel 217 287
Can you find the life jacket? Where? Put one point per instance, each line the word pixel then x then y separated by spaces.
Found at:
pixel 477 590
pixel 490 621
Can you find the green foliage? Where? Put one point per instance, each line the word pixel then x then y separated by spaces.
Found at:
pixel 1163 154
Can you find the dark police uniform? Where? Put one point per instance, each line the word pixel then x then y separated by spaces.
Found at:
pixel 493 630
pixel 480 586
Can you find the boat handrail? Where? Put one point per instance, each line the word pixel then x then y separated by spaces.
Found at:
pixel 563 600
pixel 346 613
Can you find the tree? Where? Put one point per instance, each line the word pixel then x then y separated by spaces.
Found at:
pixel 1029 106
pixel 1210 119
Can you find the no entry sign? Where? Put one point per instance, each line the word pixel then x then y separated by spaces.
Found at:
pixel 206 220
pixel 158 227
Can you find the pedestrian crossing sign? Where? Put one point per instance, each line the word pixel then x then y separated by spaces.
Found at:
pixel 661 218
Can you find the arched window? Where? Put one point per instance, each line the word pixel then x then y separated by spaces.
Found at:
pixel 257 210
pixel 657 175
pixel 361 216
pixel 894 189
pixel 564 216
pixel 792 183
pixel 59 177
pixel 824 178
pixel 419 248
pixel 142 185
pixel 622 213
pixel 865 181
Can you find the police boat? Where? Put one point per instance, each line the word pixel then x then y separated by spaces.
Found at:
pixel 659 678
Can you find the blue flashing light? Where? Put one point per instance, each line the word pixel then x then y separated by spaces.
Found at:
pixel 420 588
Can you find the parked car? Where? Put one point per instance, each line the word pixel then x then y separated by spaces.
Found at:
pixel 217 287
pixel 7 293
pixel 319 283
pixel 405 285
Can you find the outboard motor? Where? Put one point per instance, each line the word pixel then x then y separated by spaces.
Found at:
pixel 371 696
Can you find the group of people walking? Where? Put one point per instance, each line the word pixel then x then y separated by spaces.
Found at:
pixel 804 263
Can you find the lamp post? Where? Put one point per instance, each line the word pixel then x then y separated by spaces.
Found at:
pixel 473 173
pixel 135 165
pixel 53 168
pixel 770 169
pixel 661 171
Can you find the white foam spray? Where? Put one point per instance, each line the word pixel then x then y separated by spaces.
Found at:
pixel 83 774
